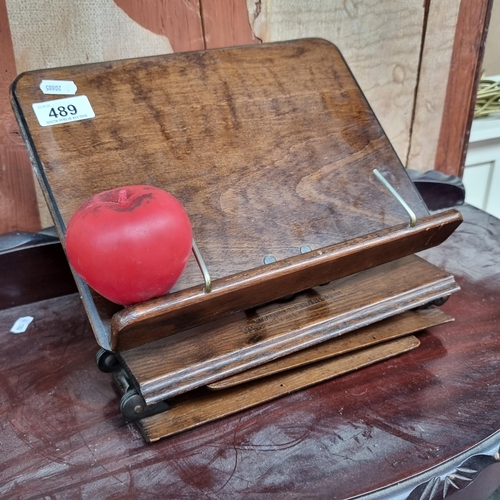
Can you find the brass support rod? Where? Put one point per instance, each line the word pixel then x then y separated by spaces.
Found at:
pixel 203 267
pixel 390 188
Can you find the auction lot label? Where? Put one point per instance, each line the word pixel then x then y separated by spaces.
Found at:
pixel 69 109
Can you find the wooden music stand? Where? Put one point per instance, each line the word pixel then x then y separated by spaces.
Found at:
pixel 304 219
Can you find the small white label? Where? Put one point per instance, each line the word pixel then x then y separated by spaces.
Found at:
pixel 70 109
pixel 21 324
pixel 58 87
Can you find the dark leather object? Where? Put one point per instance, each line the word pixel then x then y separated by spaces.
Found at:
pixel 33 267
pixel 438 190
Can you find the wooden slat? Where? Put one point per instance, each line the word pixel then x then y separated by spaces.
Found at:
pixel 192 410
pixel 463 80
pixel 432 83
pixel 226 23
pixel 18 207
pixel 387 329
pixel 218 350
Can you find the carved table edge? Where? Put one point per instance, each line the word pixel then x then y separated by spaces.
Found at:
pixel 445 479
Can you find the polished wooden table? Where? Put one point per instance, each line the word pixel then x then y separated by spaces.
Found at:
pixel 423 425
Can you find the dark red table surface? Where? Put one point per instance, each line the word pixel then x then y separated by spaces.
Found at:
pixel 62 435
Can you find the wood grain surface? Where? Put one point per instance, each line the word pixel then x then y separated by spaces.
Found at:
pixel 214 351
pixel 182 122
pixel 97 30
pixel 62 434
pixel 198 408
pixel 195 112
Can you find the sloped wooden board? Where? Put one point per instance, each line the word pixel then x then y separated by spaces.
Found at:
pixel 269 148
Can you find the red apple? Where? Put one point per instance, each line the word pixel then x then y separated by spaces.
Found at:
pixel 130 243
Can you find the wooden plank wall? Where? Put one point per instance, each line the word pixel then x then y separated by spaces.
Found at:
pixel 463 80
pixel 400 52
pixel 18 203
pixel 435 63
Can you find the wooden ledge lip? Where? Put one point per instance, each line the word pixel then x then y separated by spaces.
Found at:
pixel 149 321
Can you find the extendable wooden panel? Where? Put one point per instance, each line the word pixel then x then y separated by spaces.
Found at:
pixel 214 351
pixel 387 329
pixel 189 412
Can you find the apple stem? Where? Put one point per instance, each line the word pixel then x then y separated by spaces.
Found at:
pixel 122 196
